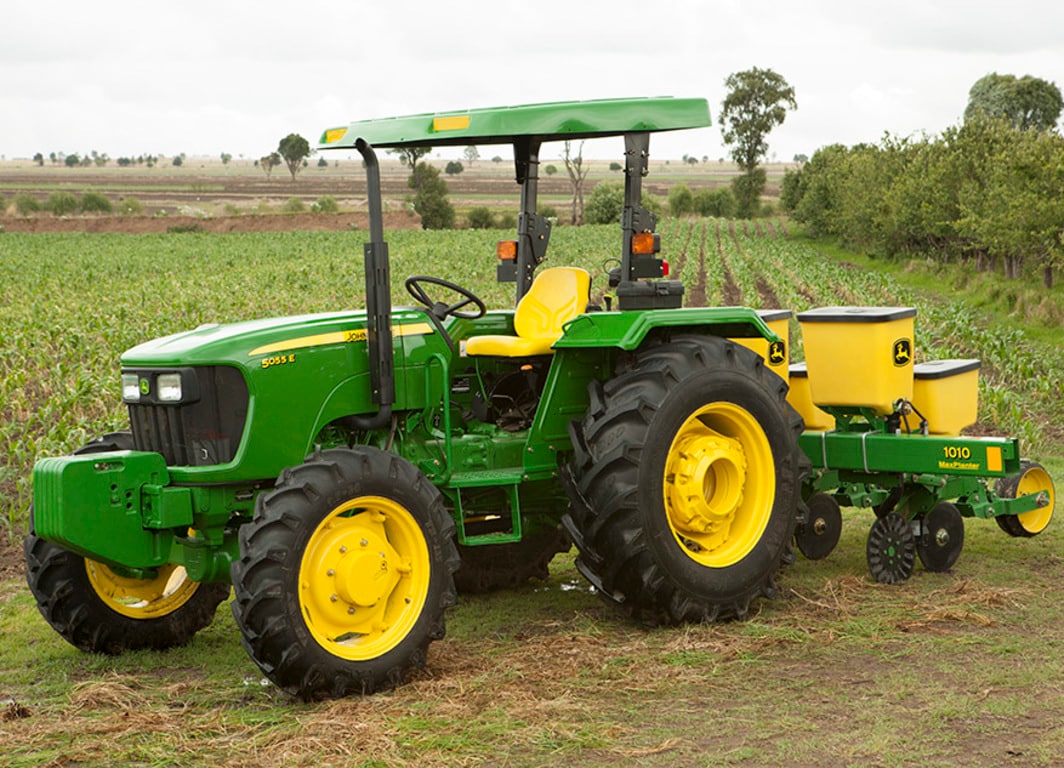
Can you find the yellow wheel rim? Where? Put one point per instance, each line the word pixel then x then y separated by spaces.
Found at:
pixel 364 578
pixel 1036 480
pixel 142 598
pixel 720 484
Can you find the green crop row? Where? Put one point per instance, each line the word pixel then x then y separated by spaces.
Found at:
pixel 70 304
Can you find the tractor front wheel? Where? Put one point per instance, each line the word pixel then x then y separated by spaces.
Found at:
pixel 688 469
pixel 345 573
pixel 100 609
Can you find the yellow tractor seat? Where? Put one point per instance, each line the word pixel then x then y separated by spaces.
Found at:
pixel 557 296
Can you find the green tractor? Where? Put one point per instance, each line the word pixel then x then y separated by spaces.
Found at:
pixel 347 473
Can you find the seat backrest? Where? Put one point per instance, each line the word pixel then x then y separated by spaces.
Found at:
pixel 557 296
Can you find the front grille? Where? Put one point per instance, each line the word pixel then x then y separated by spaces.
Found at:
pixel 200 433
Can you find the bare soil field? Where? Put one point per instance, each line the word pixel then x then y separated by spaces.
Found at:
pixel 239 197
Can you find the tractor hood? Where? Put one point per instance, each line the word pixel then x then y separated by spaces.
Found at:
pixel 245 341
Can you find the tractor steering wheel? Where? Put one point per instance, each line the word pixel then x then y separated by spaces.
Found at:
pixel 439 309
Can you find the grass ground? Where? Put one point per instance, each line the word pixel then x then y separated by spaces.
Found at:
pixel 961 668
pixel 957 668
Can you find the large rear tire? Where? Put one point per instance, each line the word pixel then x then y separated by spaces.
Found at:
pixel 99 609
pixel 345 573
pixel 689 470
pixel 508 566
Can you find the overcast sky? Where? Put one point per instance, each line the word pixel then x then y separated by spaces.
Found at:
pixel 127 77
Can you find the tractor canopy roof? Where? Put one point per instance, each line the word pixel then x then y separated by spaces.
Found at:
pixel 555 121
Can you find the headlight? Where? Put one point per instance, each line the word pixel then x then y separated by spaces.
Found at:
pixel 168 387
pixel 130 387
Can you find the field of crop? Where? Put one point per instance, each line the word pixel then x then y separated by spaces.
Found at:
pixel 957 668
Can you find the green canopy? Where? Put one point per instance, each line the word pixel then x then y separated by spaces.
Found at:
pixel 556 121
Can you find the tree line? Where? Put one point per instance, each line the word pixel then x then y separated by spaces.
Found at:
pixel 989 191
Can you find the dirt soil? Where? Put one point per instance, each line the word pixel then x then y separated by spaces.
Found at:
pixel 297 222
pixel 12 563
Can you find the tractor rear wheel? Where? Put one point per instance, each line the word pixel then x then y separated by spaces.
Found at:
pixel 100 609
pixel 688 470
pixel 345 573
pixel 507 566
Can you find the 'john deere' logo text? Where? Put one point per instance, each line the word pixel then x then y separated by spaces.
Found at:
pixel 903 352
pixel 777 352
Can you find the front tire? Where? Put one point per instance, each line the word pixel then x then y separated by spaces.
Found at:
pixel 689 467
pixel 345 574
pixel 99 609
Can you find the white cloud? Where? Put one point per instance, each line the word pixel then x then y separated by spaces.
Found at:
pixel 203 77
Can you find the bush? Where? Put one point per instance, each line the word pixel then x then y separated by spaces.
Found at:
pixel 61 203
pixel 548 212
pixel 452 168
pixel 718 202
pixel 129 206
pixel 94 202
pixel 325 204
pixel 507 220
pixel 481 218
pixel 294 205
pixel 605 203
pixel 430 200
pixel 681 201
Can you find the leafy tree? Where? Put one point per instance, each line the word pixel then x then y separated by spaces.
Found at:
pixel 430 199
pixel 1025 102
pixel 178 160
pixel 747 190
pixel 226 158
pixel 550 170
pixel 72 161
pixel 453 168
pixel 269 162
pixel 471 155
pixel 294 150
pixel 409 156
pixel 605 203
pixel 38 159
pixel 757 101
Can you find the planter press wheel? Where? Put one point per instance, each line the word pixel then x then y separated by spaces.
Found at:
pixel 941 537
pixel 891 549
pixel 1032 478
pixel 819 534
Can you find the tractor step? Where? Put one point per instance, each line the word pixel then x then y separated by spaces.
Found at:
pixel 507 481
pixel 486 478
